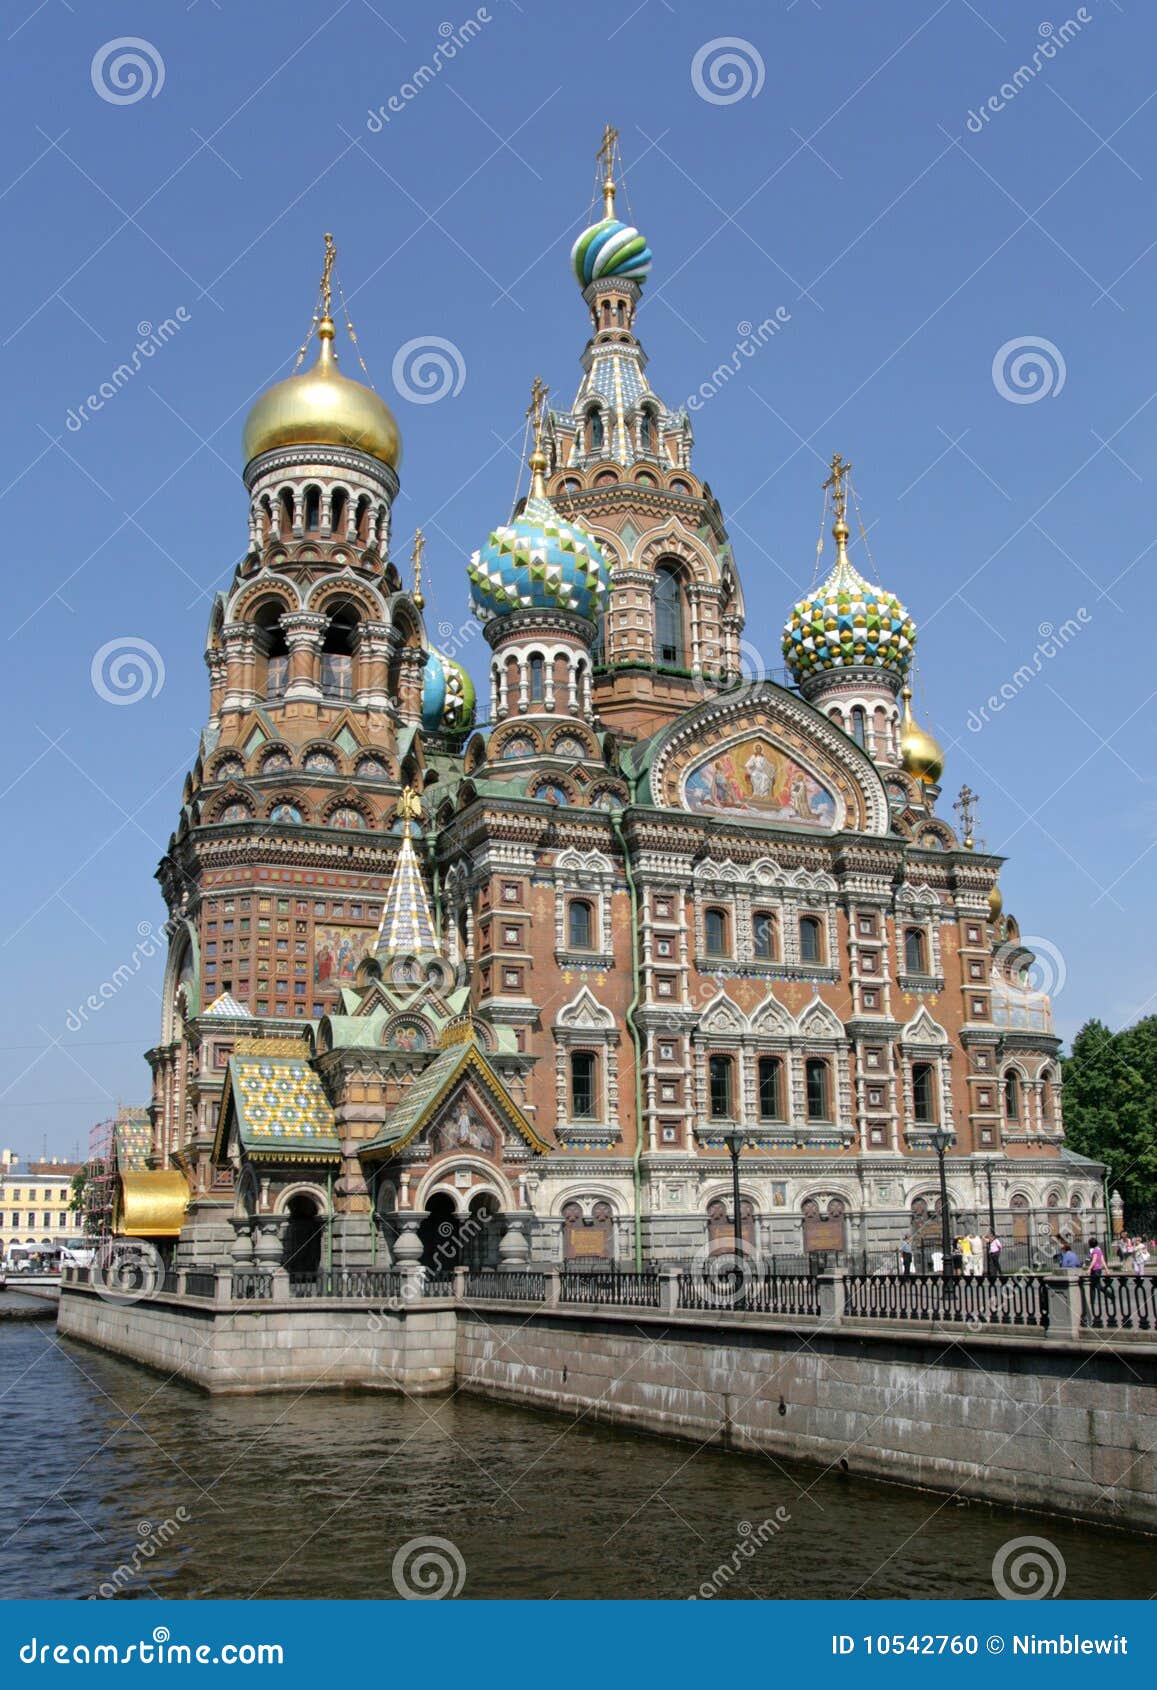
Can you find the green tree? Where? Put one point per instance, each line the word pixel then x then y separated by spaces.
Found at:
pixel 1110 1104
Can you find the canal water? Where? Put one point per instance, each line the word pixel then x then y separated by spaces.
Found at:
pixel 109 1467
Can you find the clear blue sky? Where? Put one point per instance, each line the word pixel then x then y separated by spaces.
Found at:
pixel 850 189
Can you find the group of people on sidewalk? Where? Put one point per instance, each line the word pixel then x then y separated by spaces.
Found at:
pixel 976 1257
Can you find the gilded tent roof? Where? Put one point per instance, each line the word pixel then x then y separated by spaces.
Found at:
pixel 150 1205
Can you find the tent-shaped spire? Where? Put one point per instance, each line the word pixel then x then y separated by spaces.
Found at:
pixel 407 926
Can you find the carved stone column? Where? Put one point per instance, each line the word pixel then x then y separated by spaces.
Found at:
pixel 303 635
pixel 240 643
pixel 373 656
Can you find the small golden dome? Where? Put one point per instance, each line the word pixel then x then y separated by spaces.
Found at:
pixel 995 903
pixel 322 407
pixel 921 754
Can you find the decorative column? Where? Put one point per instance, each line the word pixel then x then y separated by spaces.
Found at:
pixel 240 643
pixel 373 654
pixel 304 630
pixel 411 662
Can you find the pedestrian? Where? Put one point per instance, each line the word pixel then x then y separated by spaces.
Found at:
pixel 994 1248
pixel 964 1245
pixel 906 1255
pixel 1140 1257
pixel 1097 1263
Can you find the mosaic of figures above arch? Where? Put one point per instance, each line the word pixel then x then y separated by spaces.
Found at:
pixel 337 951
pixel 754 777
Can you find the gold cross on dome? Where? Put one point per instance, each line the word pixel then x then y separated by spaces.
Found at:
pixel 840 473
pixel 327 276
pixel 606 157
pixel 538 395
pixel 965 808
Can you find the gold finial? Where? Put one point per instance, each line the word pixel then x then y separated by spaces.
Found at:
pixel 606 157
pixel 327 276
pixel 409 806
pixel 416 560
pixel 965 808
pixel 537 460
pixel 836 480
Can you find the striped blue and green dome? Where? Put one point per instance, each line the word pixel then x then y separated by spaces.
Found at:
pixel 538 562
pixel 448 701
pixel 848 623
pixel 610 249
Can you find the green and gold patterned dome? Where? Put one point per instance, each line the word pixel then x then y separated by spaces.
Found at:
pixel 847 623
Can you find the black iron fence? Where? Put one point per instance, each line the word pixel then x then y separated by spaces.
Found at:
pixel 371 1284
pixel 772 1293
pixel 199 1284
pixel 1014 1300
pixel 633 1290
pixel 252 1286
pixel 520 1286
pixel 1119 1303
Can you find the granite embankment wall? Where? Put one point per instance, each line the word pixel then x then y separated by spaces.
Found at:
pixel 1066 1428
pixel 1062 1423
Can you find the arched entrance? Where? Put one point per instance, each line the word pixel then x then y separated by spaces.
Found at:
pixel 440 1233
pixel 301 1253
pixel 481 1233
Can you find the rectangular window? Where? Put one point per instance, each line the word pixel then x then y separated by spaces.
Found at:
pixel 720 1070
pixel 582 1085
pixel 770 1089
pixel 763 933
pixel 810 946
pixel 715 932
pixel 818 1106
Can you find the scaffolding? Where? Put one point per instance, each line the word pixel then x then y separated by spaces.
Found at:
pixel 118 1145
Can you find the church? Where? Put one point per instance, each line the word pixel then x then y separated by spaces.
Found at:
pixel 517 978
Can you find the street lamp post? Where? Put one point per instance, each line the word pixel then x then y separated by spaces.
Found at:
pixel 733 1138
pixel 991 1209
pixel 940 1141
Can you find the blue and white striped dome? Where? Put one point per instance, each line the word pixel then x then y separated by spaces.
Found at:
pixel 610 249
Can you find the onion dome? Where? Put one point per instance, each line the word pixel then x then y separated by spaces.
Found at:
pixel 538 562
pixel 921 754
pixel 848 623
pixel 448 702
pixel 321 407
pixel 610 250
pixel 995 902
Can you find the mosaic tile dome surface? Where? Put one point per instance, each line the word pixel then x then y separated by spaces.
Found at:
pixel 848 623
pixel 448 701
pixel 538 562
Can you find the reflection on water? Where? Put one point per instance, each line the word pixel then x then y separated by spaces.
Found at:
pixel 314 1496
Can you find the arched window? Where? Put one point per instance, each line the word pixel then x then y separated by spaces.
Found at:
pixel 811 943
pixel 596 434
pixel 647 432
pixel 915 951
pixel 1046 1099
pixel 859 725
pixel 536 672
pixel 770 1077
pixel 338 509
pixel 715 932
pixel 337 654
pixel 285 513
pixel 580 924
pixel 272 652
pixel 763 932
pixel 313 510
pixel 669 618
pixel 1012 1095
pixel 721 1087
pixel 923 1094
pixel 583 1078
pixel 599 648
pixel 819 1106
pixel 362 526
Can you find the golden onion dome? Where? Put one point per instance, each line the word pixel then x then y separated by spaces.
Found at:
pixel 921 754
pixel 995 902
pixel 322 407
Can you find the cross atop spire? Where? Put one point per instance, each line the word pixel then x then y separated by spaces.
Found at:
pixel 416 559
pixel 965 807
pixel 606 157
pixel 836 480
pixel 327 276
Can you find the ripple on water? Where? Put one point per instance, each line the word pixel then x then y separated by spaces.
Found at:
pixel 313 1496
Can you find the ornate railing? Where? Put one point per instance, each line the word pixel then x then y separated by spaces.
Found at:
pixel 1012 1300
pixel 790 1294
pixel 200 1284
pixel 634 1290
pixel 438 1284
pixel 251 1286
pixel 518 1286
pixel 371 1284
pixel 1121 1303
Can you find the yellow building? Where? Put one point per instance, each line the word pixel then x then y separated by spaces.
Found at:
pixel 34 1204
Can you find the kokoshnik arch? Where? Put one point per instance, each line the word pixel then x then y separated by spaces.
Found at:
pixel 444 992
